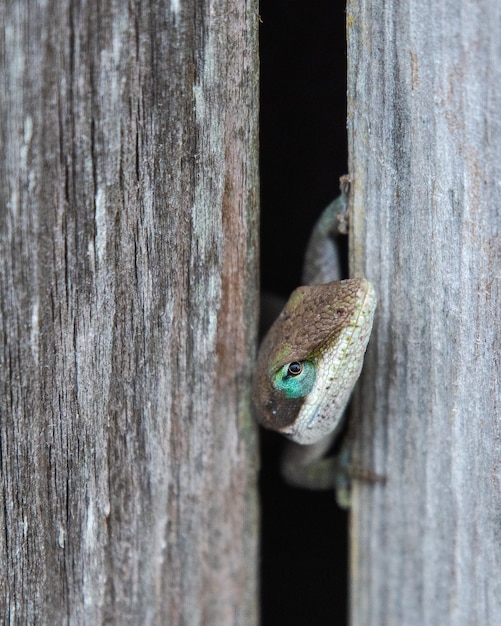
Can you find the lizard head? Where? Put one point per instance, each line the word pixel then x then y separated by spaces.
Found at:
pixel 311 358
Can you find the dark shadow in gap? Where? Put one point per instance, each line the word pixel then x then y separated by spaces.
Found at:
pixel 303 153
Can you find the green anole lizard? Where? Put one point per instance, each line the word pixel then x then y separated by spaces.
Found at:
pixel 311 358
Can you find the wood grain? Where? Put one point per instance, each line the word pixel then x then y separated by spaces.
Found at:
pixel 128 285
pixel 424 98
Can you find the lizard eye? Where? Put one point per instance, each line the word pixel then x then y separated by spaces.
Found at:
pixel 295 368
pixel 295 379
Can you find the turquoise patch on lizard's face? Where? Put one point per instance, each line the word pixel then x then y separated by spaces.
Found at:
pixel 295 379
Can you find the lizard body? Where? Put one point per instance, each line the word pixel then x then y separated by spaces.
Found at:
pixel 311 358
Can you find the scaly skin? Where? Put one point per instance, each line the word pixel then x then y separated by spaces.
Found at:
pixel 310 360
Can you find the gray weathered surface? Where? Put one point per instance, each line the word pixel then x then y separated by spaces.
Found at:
pixel 425 140
pixel 128 193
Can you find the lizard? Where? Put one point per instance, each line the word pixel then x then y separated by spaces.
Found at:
pixel 312 356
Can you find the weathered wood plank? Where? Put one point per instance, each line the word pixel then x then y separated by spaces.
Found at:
pixel 128 286
pixel 425 143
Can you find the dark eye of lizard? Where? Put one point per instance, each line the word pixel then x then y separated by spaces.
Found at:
pixel 295 368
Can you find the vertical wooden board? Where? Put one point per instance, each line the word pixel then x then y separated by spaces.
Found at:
pixel 128 286
pixel 424 95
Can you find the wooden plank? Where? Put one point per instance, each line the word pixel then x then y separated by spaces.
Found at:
pixel 424 102
pixel 128 285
